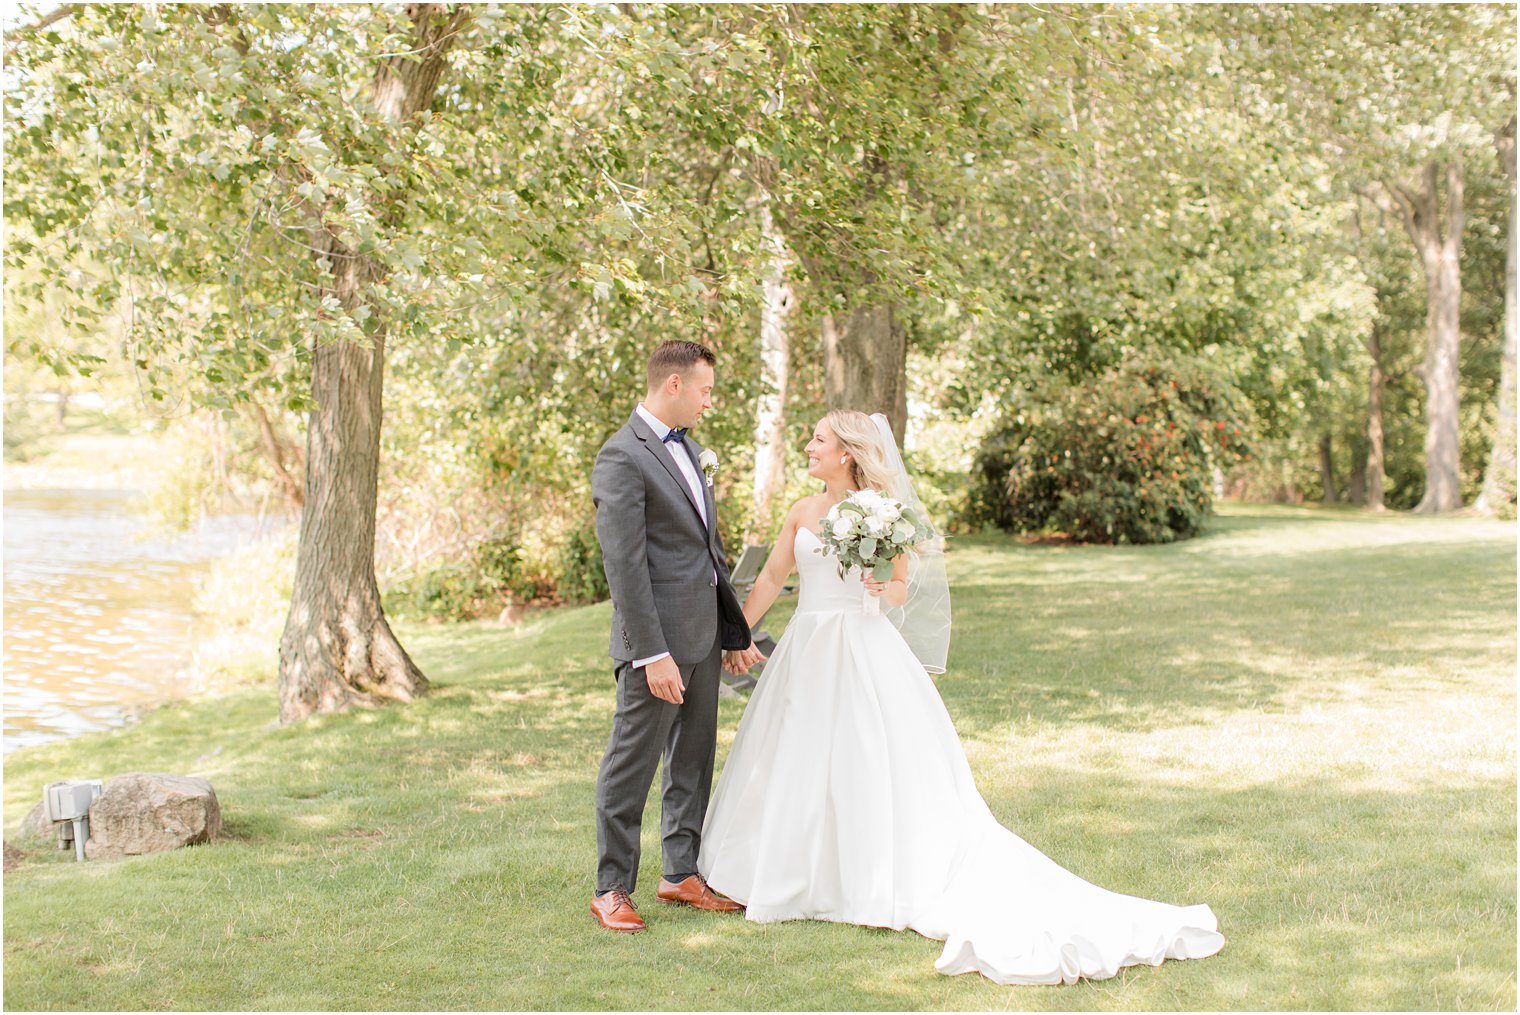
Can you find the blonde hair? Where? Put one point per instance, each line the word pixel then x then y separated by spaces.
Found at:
pixel 858 436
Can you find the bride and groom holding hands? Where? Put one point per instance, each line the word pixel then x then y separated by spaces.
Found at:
pixel 846 795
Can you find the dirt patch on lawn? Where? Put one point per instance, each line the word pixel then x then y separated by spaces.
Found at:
pixel 13 857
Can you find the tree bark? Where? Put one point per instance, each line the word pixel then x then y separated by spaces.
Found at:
pixel 1498 494
pixel 1327 471
pixel 865 363
pixel 1420 210
pixel 1375 471
pixel 337 649
pixel 775 354
pixel 1356 482
pixel 865 359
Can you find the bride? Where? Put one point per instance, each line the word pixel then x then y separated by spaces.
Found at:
pixel 847 795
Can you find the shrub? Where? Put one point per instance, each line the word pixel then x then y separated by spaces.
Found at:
pixel 446 592
pixel 1126 457
pixel 580 578
pixel 567 570
pixel 502 576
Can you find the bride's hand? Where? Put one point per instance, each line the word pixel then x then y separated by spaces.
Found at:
pixel 873 586
pixel 741 661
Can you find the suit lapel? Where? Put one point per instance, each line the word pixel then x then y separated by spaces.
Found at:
pixel 694 452
pixel 656 447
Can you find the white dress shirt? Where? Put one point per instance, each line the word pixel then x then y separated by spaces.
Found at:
pixel 693 481
pixel 682 459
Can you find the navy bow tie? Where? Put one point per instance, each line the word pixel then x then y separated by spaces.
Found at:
pixel 676 435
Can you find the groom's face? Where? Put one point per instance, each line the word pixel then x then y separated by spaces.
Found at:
pixel 693 395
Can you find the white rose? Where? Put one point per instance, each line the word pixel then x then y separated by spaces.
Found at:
pixel 902 532
pixel 868 499
pixel 842 527
pixel 891 511
pixel 874 526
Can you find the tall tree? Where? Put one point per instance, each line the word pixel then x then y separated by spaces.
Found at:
pixel 1499 477
pixel 867 95
pixel 279 195
pixel 337 648
pixel 857 124
pixel 1374 470
pixel 1397 99
pixel 778 300
pixel 1437 237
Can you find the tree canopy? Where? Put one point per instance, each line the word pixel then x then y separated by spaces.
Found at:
pixel 501 208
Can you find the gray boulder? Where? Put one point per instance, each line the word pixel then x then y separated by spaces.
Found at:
pixel 36 827
pixel 148 812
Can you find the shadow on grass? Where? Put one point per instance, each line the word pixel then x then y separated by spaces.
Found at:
pixel 1155 635
pixel 1330 899
pixel 440 855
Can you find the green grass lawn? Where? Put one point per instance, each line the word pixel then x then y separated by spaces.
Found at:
pixel 1305 719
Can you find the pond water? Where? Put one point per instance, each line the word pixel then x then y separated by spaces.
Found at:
pixel 98 617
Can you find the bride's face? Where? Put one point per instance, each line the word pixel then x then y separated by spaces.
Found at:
pixel 824 452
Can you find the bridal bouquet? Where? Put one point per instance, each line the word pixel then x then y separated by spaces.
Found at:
pixel 868 530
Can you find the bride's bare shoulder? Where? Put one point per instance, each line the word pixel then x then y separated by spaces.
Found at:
pixel 809 510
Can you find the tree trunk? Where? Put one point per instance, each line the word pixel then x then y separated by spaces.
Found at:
pixel 1327 471
pixel 775 352
pixel 865 360
pixel 1420 209
pixel 1443 484
pixel 337 649
pixel 1375 471
pixel 1498 494
pixel 1356 483
pixel 865 364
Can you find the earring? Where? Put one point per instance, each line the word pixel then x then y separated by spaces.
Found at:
pixel 843 459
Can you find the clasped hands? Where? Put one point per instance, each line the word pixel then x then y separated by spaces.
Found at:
pixel 739 661
pixel 664 676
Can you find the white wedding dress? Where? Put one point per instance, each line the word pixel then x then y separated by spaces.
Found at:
pixel 847 797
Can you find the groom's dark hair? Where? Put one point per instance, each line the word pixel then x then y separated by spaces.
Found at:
pixel 677 358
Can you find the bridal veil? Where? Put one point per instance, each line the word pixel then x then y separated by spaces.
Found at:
pixel 924 617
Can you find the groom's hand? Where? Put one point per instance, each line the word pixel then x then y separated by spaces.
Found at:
pixel 664 678
pixel 748 657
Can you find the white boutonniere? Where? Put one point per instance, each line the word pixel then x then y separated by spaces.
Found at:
pixel 709 463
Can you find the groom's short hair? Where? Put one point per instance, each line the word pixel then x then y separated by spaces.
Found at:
pixel 677 358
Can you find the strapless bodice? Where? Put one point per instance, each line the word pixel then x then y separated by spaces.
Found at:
pixel 821 589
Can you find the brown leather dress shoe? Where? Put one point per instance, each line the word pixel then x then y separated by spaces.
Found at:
pixel 694 892
pixel 615 912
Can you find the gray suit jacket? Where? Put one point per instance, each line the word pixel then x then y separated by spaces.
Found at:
pixel 659 557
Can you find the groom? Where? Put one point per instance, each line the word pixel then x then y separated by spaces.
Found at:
pixel 673 614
